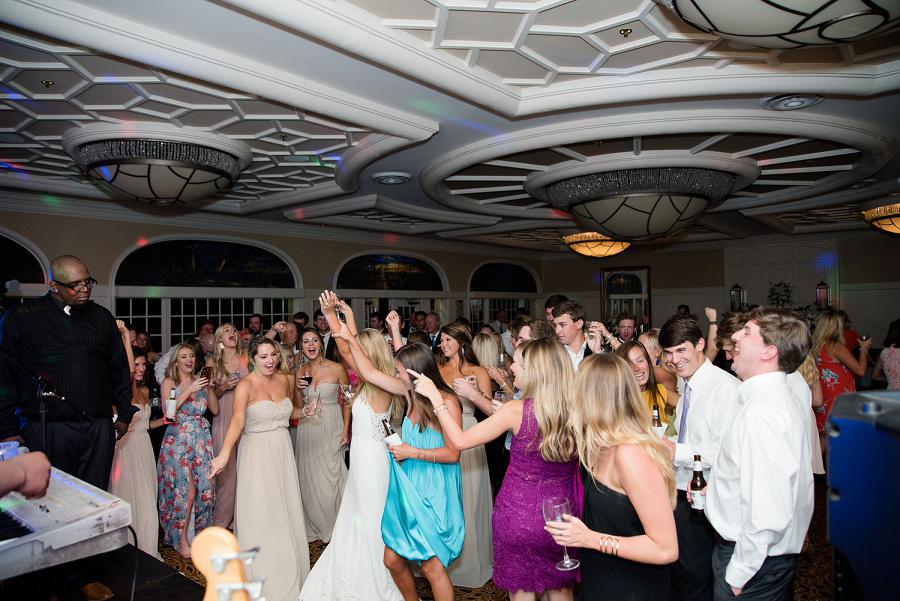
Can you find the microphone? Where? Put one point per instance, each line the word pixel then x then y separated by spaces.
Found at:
pixel 52 393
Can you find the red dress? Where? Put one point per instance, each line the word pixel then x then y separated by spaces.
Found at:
pixel 836 379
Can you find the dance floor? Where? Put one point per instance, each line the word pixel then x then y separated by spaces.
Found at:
pixel 815 578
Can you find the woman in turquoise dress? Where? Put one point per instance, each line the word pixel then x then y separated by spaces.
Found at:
pixel 423 516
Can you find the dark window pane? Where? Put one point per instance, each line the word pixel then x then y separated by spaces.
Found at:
pixel 154 306
pixel 502 277
pixel 623 283
pixel 202 263
pixel 123 306
pixel 18 263
pixel 388 272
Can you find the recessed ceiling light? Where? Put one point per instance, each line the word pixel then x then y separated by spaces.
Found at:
pixel 391 178
pixel 790 102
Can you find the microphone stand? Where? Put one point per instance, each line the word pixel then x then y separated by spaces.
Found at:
pixel 44 389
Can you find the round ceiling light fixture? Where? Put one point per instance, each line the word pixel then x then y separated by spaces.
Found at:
pixel 157 164
pixel 640 204
pixel 790 102
pixel 788 24
pixel 391 178
pixel 883 213
pixel 592 244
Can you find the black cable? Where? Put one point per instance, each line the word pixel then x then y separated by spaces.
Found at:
pixel 136 557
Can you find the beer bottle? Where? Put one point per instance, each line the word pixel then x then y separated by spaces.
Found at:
pixel 698 483
pixel 388 430
pixel 657 423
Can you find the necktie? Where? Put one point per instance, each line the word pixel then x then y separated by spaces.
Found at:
pixel 682 427
pixel 432 340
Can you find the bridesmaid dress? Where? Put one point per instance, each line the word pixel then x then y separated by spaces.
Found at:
pixel 423 514
pixel 223 512
pixel 268 510
pixel 475 564
pixel 184 456
pixel 133 478
pixel 320 463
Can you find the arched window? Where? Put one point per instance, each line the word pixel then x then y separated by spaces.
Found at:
pixel 204 263
pixel 388 272
pixel 19 263
pixel 502 277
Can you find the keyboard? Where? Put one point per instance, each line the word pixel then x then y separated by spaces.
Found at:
pixel 73 520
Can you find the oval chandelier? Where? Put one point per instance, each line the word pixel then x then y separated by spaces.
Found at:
pixel 157 164
pixel 640 204
pixel 883 214
pixel 788 24
pixel 592 244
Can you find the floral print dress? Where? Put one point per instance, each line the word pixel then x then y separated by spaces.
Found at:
pixel 836 379
pixel 185 454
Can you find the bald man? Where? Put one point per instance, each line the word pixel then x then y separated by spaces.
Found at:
pixel 74 344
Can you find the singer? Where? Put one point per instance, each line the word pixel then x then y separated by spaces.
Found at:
pixel 74 345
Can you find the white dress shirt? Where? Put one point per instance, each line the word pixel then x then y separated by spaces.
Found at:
pixel 760 492
pixel 506 338
pixel 159 370
pixel 714 403
pixel 578 357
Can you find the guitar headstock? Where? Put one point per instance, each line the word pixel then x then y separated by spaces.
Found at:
pixel 216 554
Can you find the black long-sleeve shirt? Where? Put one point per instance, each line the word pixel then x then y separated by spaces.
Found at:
pixel 81 355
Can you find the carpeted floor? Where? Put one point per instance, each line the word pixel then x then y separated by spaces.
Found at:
pixel 815 577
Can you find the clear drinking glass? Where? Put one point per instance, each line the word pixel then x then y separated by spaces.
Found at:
pixel 558 509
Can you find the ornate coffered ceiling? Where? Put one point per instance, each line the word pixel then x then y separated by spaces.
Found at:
pixel 484 103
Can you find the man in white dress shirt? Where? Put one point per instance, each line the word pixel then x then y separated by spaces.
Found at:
pixel 703 417
pixel 568 321
pixel 760 488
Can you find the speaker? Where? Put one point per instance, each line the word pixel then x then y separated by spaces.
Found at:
pixel 864 495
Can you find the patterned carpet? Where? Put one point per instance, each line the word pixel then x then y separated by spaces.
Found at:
pixel 815 577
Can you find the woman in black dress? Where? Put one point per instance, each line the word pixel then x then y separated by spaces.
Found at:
pixel 628 533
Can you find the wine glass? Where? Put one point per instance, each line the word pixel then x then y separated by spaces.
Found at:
pixel 501 360
pixel 349 391
pixel 558 509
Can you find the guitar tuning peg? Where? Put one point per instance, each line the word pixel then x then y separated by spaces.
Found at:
pixel 219 560
pixel 252 588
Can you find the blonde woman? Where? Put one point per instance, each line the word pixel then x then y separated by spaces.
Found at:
pixel 484 346
pixel 542 465
pixel 628 533
pixel 229 363
pixel 185 493
pixel 352 565
pixel 837 365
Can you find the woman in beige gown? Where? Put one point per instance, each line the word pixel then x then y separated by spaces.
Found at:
pixel 133 475
pixel 229 363
pixel 321 440
pixel 458 365
pixel 268 510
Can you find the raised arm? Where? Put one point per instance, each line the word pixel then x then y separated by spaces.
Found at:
pixel 508 417
pixel 712 348
pixel 393 322
pixel 327 302
pixel 364 367
pixel 349 319
pixel 856 366
pixel 123 330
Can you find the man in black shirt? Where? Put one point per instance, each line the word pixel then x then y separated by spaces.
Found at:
pixel 74 345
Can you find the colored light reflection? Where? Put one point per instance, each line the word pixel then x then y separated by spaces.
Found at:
pixel 298 214
pixel 51 200
pixel 390 238
pixel 154 292
pixel 141 241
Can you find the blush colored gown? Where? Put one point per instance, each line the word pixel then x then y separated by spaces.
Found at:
pixel 525 555
pixel 185 455
pixel 133 478
pixel 268 510
pixel 223 513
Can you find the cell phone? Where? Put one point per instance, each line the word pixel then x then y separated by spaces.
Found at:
pixel 206 372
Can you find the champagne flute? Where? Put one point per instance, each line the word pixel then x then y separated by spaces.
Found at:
pixel 558 509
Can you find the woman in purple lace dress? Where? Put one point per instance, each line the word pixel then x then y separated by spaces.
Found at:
pixel 542 465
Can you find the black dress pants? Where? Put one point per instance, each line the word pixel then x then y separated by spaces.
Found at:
pixel 691 577
pixel 84 450
pixel 774 581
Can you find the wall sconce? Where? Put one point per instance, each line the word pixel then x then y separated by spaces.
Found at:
pixel 823 296
pixel 738 297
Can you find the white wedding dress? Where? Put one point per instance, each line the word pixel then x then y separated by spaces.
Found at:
pixel 352 565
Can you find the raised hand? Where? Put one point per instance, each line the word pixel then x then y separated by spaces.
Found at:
pixel 711 313
pixel 328 300
pixel 393 320
pixel 462 387
pixel 279 327
pixel 424 386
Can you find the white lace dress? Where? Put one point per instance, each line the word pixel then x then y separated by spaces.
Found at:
pixel 352 565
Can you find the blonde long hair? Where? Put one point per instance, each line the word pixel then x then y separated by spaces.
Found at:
pixel 379 353
pixel 609 411
pixel 485 348
pixel 830 328
pixel 548 377
pixel 172 368
pixel 219 351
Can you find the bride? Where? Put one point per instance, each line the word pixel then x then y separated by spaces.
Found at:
pixel 352 565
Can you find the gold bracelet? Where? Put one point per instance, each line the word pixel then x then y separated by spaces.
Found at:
pixel 439 409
